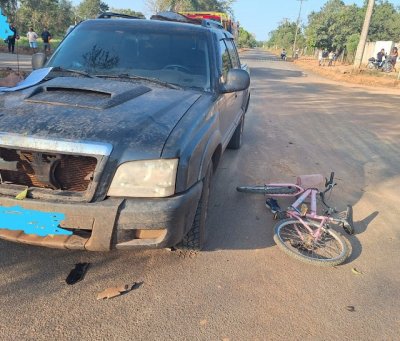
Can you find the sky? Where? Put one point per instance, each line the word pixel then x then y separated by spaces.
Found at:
pixel 256 16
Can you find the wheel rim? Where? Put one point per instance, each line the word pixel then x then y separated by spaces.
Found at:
pixel 327 249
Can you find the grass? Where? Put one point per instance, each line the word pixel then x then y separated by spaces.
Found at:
pixel 23 43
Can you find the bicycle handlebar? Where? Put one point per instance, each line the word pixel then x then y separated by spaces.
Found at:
pixel 329 184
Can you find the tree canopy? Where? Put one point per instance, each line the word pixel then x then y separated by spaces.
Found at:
pixel 57 15
pixel 337 26
pixel 190 5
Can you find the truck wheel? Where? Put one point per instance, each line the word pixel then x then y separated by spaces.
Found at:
pixel 196 237
pixel 236 139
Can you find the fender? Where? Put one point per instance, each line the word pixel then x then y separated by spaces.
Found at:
pixel 212 145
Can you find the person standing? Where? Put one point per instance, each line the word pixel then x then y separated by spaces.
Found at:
pixel 394 54
pixel 46 36
pixel 330 58
pixel 12 38
pixel 379 57
pixel 32 38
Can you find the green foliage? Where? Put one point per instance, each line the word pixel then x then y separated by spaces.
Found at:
pixel 337 26
pixel 89 9
pixel 246 39
pixel 8 8
pixel 331 27
pixel 127 11
pixel 57 15
pixel 284 35
pixel 352 43
pixel 190 5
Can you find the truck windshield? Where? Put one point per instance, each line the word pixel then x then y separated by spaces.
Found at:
pixel 175 57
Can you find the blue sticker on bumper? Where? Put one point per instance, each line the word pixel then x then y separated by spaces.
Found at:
pixel 31 221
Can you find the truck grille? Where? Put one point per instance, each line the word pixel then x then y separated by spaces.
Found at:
pixel 46 170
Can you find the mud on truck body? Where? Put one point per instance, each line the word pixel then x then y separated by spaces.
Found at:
pixel 116 147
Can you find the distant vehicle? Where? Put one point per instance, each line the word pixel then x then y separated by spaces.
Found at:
pixel 385 65
pixel 224 19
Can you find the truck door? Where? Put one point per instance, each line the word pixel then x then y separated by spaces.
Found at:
pixel 229 103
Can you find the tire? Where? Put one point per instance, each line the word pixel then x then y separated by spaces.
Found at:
pixel 195 239
pixel 387 67
pixel 236 139
pixel 371 66
pixel 284 234
pixel 267 190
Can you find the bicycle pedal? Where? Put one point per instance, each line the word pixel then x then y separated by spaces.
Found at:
pixel 303 210
pixel 273 205
pixel 280 215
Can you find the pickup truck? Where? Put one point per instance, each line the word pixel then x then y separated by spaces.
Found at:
pixel 116 147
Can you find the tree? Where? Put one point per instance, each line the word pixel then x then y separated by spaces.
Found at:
pixel 91 8
pixel 246 39
pixel 8 8
pixel 127 11
pixel 284 35
pixel 57 15
pixel 190 5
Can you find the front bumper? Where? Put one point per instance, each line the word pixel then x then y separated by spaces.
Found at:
pixel 114 223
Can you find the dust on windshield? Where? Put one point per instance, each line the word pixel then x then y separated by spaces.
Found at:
pixel 176 58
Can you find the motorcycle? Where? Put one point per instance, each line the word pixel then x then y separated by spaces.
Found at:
pixel 385 65
pixel 283 56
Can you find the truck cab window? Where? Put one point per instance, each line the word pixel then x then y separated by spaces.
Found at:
pixel 226 63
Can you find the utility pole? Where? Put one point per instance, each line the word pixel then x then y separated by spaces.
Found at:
pixel 364 35
pixel 297 27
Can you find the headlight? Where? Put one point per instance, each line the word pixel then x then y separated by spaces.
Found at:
pixel 149 179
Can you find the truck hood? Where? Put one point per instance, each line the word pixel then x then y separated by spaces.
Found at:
pixel 128 115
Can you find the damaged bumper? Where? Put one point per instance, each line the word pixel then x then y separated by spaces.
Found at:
pixel 113 223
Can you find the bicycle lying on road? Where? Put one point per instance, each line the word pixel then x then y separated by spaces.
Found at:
pixel 304 234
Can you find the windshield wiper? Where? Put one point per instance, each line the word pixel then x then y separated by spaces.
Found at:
pixel 141 78
pixel 78 72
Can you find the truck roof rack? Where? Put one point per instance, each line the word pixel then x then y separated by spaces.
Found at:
pixel 173 16
pixel 211 23
pixel 109 15
pixel 177 17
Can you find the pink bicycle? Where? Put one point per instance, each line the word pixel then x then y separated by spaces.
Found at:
pixel 304 234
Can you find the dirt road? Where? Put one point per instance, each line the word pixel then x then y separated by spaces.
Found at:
pixel 243 287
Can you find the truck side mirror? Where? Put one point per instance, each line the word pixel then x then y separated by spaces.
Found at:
pixel 38 60
pixel 236 80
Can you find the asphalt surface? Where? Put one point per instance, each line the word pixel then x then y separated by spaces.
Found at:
pixel 13 60
pixel 242 286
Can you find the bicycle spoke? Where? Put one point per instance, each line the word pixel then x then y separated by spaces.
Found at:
pixel 312 242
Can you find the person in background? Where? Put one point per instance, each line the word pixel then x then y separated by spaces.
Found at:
pixel 32 38
pixel 320 57
pixel 330 58
pixel 379 56
pixel 12 38
pixel 394 54
pixel 46 36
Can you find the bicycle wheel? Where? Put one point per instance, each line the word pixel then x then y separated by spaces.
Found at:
pixel 329 250
pixel 267 189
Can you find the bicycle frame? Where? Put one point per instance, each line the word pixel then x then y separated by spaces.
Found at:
pixel 296 214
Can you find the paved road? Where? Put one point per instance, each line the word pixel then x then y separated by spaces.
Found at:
pixel 243 287
pixel 12 60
